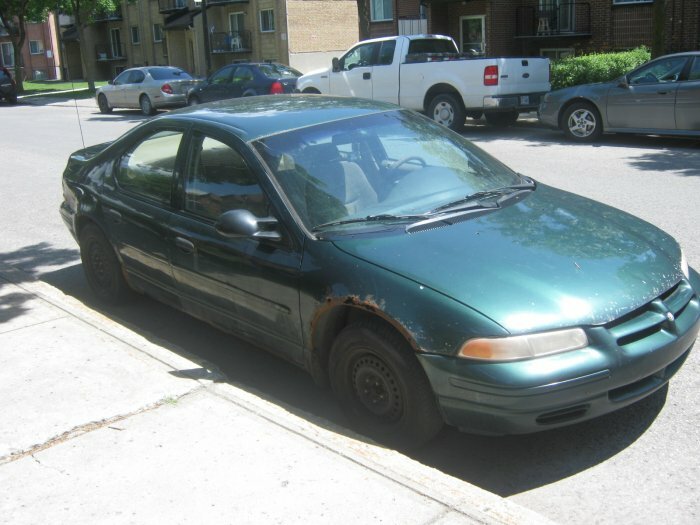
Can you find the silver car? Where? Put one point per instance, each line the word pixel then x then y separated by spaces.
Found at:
pixel 661 97
pixel 148 88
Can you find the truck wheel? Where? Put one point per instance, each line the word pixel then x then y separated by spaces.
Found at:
pixel 502 120
pixel 581 122
pixel 381 386
pixel 447 110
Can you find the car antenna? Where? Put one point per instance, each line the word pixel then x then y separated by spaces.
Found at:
pixel 75 101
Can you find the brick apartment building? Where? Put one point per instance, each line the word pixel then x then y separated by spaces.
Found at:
pixel 40 57
pixel 302 33
pixel 552 28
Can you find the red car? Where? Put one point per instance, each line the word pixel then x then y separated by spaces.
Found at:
pixel 8 89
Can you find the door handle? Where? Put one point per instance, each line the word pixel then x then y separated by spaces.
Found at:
pixel 114 215
pixel 366 76
pixel 184 245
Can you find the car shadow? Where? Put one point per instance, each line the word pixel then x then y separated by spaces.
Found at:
pixel 504 465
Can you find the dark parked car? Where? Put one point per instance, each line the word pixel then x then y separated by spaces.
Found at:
pixel 661 97
pixel 8 89
pixel 391 258
pixel 245 80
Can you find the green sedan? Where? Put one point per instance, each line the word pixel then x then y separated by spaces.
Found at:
pixel 418 277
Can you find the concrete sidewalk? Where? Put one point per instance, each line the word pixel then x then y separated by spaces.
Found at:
pixel 98 424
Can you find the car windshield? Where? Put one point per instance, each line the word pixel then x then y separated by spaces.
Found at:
pixel 166 73
pixel 278 71
pixel 395 165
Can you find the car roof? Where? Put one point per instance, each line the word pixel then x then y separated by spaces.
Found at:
pixel 254 117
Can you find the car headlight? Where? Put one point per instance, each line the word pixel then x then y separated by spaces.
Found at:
pixel 684 266
pixel 524 346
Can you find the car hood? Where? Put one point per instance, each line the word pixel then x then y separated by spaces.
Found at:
pixel 552 260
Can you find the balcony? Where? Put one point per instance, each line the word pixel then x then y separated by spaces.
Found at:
pixel 171 6
pixel 550 19
pixel 109 53
pixel 107 16
pixel 231 42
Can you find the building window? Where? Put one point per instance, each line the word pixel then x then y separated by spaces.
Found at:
pixel 135 37
pixel 619 2
pixel 267 20
pixel 556 53
pixel 157 32
pixel 473 35
pixel 381 10
pixel 7 57
pixel 36 47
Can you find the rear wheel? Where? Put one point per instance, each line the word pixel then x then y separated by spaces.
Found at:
pixel 581 122
pixel 445 109
pixel 382 387
pixel 502 119
pixel 103 104
pixel 101 266
pixel 146 105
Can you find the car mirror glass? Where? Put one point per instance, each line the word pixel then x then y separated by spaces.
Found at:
pixel 623 82
pixel 336 64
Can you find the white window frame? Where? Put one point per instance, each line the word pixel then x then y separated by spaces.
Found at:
pixel 137 41
pixel 271 20
pixel 375 6
pixel 39 50
pixel 11 54
pixel 155 36
pixel 483 32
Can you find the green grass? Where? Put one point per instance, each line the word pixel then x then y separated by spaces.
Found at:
pixel 49 87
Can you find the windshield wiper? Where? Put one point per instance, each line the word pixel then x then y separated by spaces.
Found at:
pixel 382 217
pixel 483 195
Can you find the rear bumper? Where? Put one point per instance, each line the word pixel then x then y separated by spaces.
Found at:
pixel 167 101
pixel 539 394
pixel 520 102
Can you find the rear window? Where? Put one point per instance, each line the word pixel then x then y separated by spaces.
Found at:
pixel 431 45
pixel 278 71
pixel 166 73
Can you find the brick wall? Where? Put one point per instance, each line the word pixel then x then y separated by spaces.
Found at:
pixel 321 25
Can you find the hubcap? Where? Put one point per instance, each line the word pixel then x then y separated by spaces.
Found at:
pixel 376 388
pixel 582 123
pixel 443 114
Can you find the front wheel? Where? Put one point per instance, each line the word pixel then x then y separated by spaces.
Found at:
pixel 146 105
pixel 103 104
pixel 447 110
pixel 382 387
pixel 581 122
pixel 101 266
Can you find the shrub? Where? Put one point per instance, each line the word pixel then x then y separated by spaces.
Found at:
pixel 597 67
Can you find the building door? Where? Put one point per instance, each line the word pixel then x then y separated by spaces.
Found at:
pixel 472 35
pixel 116 42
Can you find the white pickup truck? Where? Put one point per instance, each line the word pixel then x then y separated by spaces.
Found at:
pixel 427 73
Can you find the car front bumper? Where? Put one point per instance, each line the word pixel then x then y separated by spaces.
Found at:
pixel 548 113
pixel 526 396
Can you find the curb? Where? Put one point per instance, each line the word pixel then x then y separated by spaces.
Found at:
pixel 475 504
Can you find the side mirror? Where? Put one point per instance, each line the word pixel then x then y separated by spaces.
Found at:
pixel 242 223
pixel 110 82
pixel 336 64
pixel 622 82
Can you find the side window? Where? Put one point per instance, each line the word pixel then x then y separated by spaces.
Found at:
pixel 695 70
pixel 663 70
pixel 122 78
pixel 136 77
pixel 359 57
pixel 218 180
pixel 386 53
pixel 242 75
pixel 222 76
pixel 147 170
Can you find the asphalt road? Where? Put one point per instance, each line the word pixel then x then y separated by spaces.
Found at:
pixel 639 465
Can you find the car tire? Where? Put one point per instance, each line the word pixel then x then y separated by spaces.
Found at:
pixel 103 104
pixel 445 109
pixel 502 119
pixel 193 101
pixel 581 122
pixel 146 105
pixel 381 386
pixel 101 266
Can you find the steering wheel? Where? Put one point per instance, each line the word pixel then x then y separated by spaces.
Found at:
pixel 408 159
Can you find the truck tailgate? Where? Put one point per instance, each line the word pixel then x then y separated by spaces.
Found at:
pixel 523 75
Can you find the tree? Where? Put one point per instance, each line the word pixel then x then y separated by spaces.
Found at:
pixel 658 45
pixel 363 18
pixel 84 11
pixel 14 15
